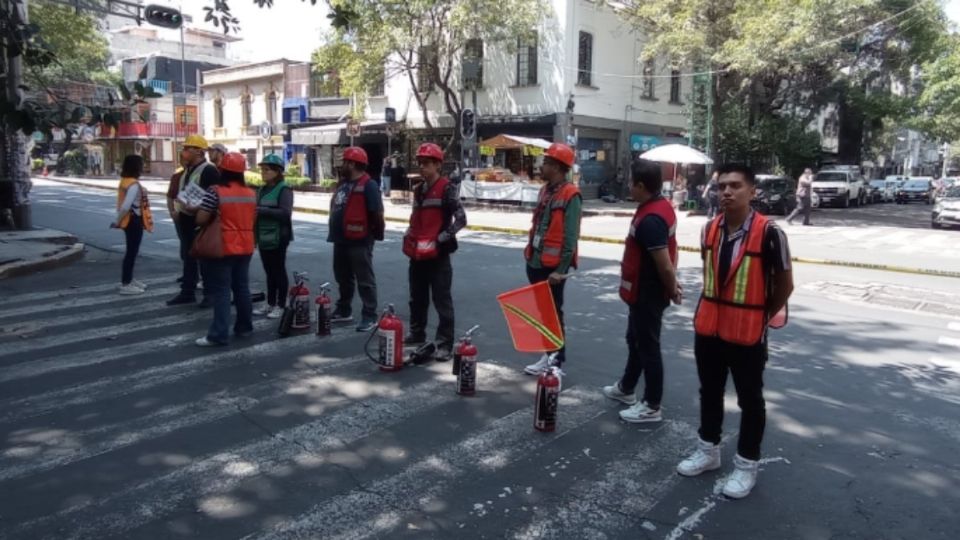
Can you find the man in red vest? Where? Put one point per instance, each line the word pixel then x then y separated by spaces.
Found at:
pixel 747 280
pixel 648 282
pixel 436 218
pixel 552 245
pixel 356 221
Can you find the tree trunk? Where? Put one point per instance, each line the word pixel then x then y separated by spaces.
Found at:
pixel 850 140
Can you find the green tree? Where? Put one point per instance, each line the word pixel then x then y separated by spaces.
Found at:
pixel 938 106
pixel 80 51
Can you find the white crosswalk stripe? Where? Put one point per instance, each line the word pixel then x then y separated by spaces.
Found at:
pixel 128 409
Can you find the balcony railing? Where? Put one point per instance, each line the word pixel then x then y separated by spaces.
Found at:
pixel 154 129
pixel 158 86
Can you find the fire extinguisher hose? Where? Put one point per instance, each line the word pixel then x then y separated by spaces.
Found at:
pixel 366 345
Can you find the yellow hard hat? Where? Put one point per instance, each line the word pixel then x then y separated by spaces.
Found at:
pixel 196 141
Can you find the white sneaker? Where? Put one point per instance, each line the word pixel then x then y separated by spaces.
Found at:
pixel 129 289
pixel 743 478
pixel 275 312
pixel 641 413
pixel 706 458
pixel 262 310
pixel 613 392
pixel 138 283
pixel 546 361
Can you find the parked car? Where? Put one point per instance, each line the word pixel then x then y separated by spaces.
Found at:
pixel 775 194
pixel 916 189
pixel 946 213
pixel 883 190
pixel 840 187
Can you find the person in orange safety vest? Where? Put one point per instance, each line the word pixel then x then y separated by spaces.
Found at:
pixel 747 280
pixel 552 244
pixel 236 206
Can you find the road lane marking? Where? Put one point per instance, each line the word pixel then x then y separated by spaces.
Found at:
pixel 954 326
pixel 125 509
pixel 42 308
pixel 949 341
pixel 76 291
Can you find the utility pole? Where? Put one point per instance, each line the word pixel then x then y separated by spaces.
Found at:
pixel 15 161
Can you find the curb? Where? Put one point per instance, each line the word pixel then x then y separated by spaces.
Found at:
pixel 56 260
pixel 617 241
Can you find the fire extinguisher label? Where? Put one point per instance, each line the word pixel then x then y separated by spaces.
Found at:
pixel 301 316
pixel 547 402
pixel 387 349
pixel 467 376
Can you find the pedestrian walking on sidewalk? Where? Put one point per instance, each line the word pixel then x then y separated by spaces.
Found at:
pixel 436 218
pixel 711 196
pixel 747 281
pixel 356 222
pixel 199 171
pixel 804 198
pixel 133 216
pixel 232 208
pixel 274 228
pixel 552 245
pixel 648 282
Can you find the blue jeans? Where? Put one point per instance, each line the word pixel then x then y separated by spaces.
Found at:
pixel 220 278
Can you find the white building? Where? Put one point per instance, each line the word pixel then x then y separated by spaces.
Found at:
pixel 242 108
pixel 580 82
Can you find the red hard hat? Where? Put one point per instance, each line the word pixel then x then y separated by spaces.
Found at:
pixel 561 153
pixel 430 150
pixel 234 162
pixel 356 155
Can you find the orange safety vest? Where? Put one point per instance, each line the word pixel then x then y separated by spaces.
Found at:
pixel 632 252
pixel 551 244
pixel 355 226
pixel 735 310
pixel 426 222
pixel 145 213
pixel 238 213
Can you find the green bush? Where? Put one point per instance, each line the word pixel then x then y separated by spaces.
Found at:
pixel 37 164
pixel 252 178
pixel 293 170
pixel 327 183
pixel 75 162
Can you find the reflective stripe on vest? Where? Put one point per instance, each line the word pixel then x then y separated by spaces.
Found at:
pixel 631 265
pixel 238 210
pixel 735 310
pixel 426 222
pixel 550 244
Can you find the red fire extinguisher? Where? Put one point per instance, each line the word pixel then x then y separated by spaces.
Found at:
pixel 548 397
pixel 300 295
pixel 389 333
pixel 324 310
pixel 465 364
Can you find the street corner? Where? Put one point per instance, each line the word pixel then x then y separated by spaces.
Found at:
pixel 35 250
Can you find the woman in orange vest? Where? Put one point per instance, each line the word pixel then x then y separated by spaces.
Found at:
pixel 552 246
pixel 436 218
pixel 133 216
pixel 236 207
pixel 747 280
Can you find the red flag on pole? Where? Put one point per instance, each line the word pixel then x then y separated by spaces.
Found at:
pixel 532 318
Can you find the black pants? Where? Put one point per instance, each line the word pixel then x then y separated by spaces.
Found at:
pixel 187 226
pixel 134 234
pixel 353 264
pixel 644 357
pixel 536 275
pixel 275 267
pixel 715 359
pixel 433 276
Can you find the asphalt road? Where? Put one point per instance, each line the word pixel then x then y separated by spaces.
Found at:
pixel 113 425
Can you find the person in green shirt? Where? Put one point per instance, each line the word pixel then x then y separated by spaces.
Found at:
pixel 552 248
pixel 274 232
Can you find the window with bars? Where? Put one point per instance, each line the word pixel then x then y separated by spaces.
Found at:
pixel 272 108
pixel 218 113
pixel 246 109
pixel 472 69
pixel 426 74
pixel 325 84
pixel 585 60
pixel 675 86
pixel 649 83
pixel 527 61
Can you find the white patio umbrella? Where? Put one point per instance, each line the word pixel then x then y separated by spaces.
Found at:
pixel 677 153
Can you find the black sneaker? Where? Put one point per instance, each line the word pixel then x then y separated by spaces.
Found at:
pixel 443 354
pixel 414 340
pixel 182 299
pixel 367 325
pixel 341 317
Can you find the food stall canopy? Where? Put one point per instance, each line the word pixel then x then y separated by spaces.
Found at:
pixel 514 142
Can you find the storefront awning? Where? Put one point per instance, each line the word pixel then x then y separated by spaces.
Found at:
pixel 330 134
pixel 514 142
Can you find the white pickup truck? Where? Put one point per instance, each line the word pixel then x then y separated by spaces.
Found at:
pixel 840 187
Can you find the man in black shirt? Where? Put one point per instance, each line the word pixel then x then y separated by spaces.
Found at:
pixel 648 283
pixel 747 281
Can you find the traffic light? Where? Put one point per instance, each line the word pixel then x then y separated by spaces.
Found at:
pixel 468 124
pixel 163 16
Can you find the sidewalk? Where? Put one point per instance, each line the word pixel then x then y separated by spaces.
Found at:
pixel 26 252
pixel 909 250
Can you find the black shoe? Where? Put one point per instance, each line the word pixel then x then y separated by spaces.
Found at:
pixel 205 303
pixel 180 279
pixel 341 317
pixel 182 299
pixel 443 354
pixel 414 340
